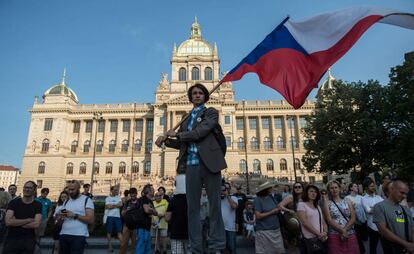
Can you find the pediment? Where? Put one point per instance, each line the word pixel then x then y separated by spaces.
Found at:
pixel 183 99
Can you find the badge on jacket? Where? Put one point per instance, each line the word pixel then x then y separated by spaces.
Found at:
pixel 199 119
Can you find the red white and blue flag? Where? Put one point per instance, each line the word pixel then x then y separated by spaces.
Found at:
pixel 295 55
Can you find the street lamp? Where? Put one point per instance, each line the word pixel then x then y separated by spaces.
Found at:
pixel 291 143
pixel 97 116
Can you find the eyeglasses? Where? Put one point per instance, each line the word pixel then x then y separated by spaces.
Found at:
pixel 297 187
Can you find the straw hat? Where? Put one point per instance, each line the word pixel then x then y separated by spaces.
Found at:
pixel 264 186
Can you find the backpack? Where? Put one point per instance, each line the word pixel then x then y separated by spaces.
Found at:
pixel 91 227
pixel 134 217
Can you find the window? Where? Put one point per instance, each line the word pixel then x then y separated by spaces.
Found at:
pixel 182 74
pixel 114 126
pixel 293 142
pixel 101 126
pixel 256 166
pixel 148 147
pixel 269 165
pixel 99 146
pixel 226 119
pixel 303 122
pixel 280 143
pixel 76 126
pixel 195 73
pixel 139 124
pixel 48 124
pixel 88 126
pixel 278 122
pixel 208 73
pixel 112 145
pixel 96 168
pixel 254 144
pixel 312 179
pixel 108 168
pixel 126 124
pixel 82 168
pixel 147 168
pixel 69 168
pixel 122 167
pixel 240 143
pixel 228 141
pixel 265 122
pixel 41 168
pixel 137 145
pixel 252 123
pixel 124 147
pixel 291 123
pixel 267 144
pixel 135 167
pixel 73 146
pixel 239 123
pixel 45 145
pixel 86 146
pixel 297 164
pixel 39 184
pixel 163 120
pixel 150 125
pixel 242 166
pixel 283 164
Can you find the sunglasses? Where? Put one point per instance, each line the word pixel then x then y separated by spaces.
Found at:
pixel 298 187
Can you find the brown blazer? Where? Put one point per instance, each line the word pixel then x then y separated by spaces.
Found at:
pixel 202 135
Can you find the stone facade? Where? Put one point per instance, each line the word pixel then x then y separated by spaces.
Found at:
pixel 65 137
pixel 8 175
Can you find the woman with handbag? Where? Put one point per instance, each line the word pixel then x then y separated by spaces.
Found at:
pixel 313 225
pixel 340 217
pixel 58 220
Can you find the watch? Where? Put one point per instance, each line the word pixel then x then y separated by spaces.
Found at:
pixel 75 217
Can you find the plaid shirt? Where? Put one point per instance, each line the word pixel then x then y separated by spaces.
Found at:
pixel 192 150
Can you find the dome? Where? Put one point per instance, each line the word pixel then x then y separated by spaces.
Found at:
pixel 195 45
pixel 62 89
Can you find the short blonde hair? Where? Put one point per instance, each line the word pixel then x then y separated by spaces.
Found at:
pixel 4 199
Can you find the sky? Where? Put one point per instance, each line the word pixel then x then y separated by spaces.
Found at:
pixel 115 51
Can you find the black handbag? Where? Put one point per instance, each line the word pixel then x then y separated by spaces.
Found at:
pixel 315 245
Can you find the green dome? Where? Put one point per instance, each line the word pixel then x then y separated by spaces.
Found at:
pixel 62 89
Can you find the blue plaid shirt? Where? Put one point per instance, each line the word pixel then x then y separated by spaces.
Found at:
pixel 192 150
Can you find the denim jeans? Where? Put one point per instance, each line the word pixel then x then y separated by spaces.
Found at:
pixel 143 241
pixel 231 241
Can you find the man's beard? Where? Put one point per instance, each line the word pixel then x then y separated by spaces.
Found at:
pixel 74 195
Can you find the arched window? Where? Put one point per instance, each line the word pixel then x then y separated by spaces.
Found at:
pixel 74 146
pixel 297 164
pixel 242 166
pixel 195 73
pixel 69 168
pixel 122 167
pixel 294 142
pixel 99 146
pixel 280 143
pixel 256 166
pixel 41 168
pixel 208 73
pixel 283 164
pixel 125 145
pixel 112 145
pixel 269 165
pixel 182 74
pixel 148 147
pixel 135 167
pixel 96 168
pixel 82 168
pixel 267 144
pixel 240 143
pixel 86 146
pixel 147 168
pixel 254 144
pixel 138 145
pixel 45 145
pixel 108 168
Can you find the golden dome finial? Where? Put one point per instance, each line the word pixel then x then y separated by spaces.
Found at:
pixel 195 30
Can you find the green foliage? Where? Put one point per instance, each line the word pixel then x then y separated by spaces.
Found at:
pixel 364 127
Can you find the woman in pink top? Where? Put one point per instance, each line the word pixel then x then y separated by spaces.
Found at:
pixel 310 215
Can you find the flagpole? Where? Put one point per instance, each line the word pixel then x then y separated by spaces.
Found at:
pixel 245 147
pixel 133 144
pixel 291 144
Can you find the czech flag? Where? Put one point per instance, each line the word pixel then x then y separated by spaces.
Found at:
pixel 293 58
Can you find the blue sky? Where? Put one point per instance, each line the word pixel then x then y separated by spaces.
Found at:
pixel 115 51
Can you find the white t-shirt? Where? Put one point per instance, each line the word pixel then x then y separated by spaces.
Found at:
pixel 72 226
pixel 112 200
pixel 368 203
pixel 229 215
